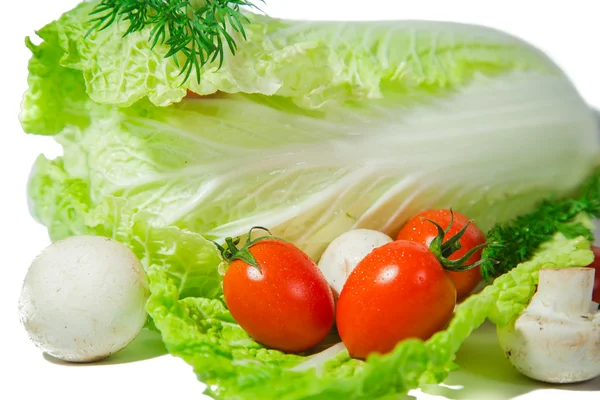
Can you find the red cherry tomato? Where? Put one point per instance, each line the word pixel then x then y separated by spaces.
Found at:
pixel 596 265
pixel 398 291
pixel 421 231
pixel 286 303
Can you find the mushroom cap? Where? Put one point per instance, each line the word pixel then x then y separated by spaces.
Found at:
pixel 345 252
pixel 83 298
pixel 554 350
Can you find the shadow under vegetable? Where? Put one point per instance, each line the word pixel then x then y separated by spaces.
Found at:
pixel 486 374
pixel 145 346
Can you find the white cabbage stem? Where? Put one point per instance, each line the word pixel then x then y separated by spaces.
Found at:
pixel 557 338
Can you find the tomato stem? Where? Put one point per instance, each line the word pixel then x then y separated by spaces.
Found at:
pixel 231 252
pixel 444 249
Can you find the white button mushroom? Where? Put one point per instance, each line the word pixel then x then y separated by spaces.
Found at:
pixel 345 252
pixel 83 298
pixel 557 338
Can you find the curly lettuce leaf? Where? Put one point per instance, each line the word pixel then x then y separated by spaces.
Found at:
pixel 311 63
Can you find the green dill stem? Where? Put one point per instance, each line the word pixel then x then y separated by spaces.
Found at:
pixel 516 241
pixel 198 30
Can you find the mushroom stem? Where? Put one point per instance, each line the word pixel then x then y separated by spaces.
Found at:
pixel 575 285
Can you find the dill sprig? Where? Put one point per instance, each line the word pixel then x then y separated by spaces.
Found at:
pixel 517 240
pixel 196 29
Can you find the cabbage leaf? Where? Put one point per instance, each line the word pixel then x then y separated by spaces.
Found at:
pixel 312 129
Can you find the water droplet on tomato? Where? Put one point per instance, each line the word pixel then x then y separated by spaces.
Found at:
pixel 387 274
pixel 254 274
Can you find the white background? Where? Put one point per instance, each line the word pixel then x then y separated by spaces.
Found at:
pixel 569 31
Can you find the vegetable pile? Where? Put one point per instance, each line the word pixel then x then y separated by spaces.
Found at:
pixel 314 130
